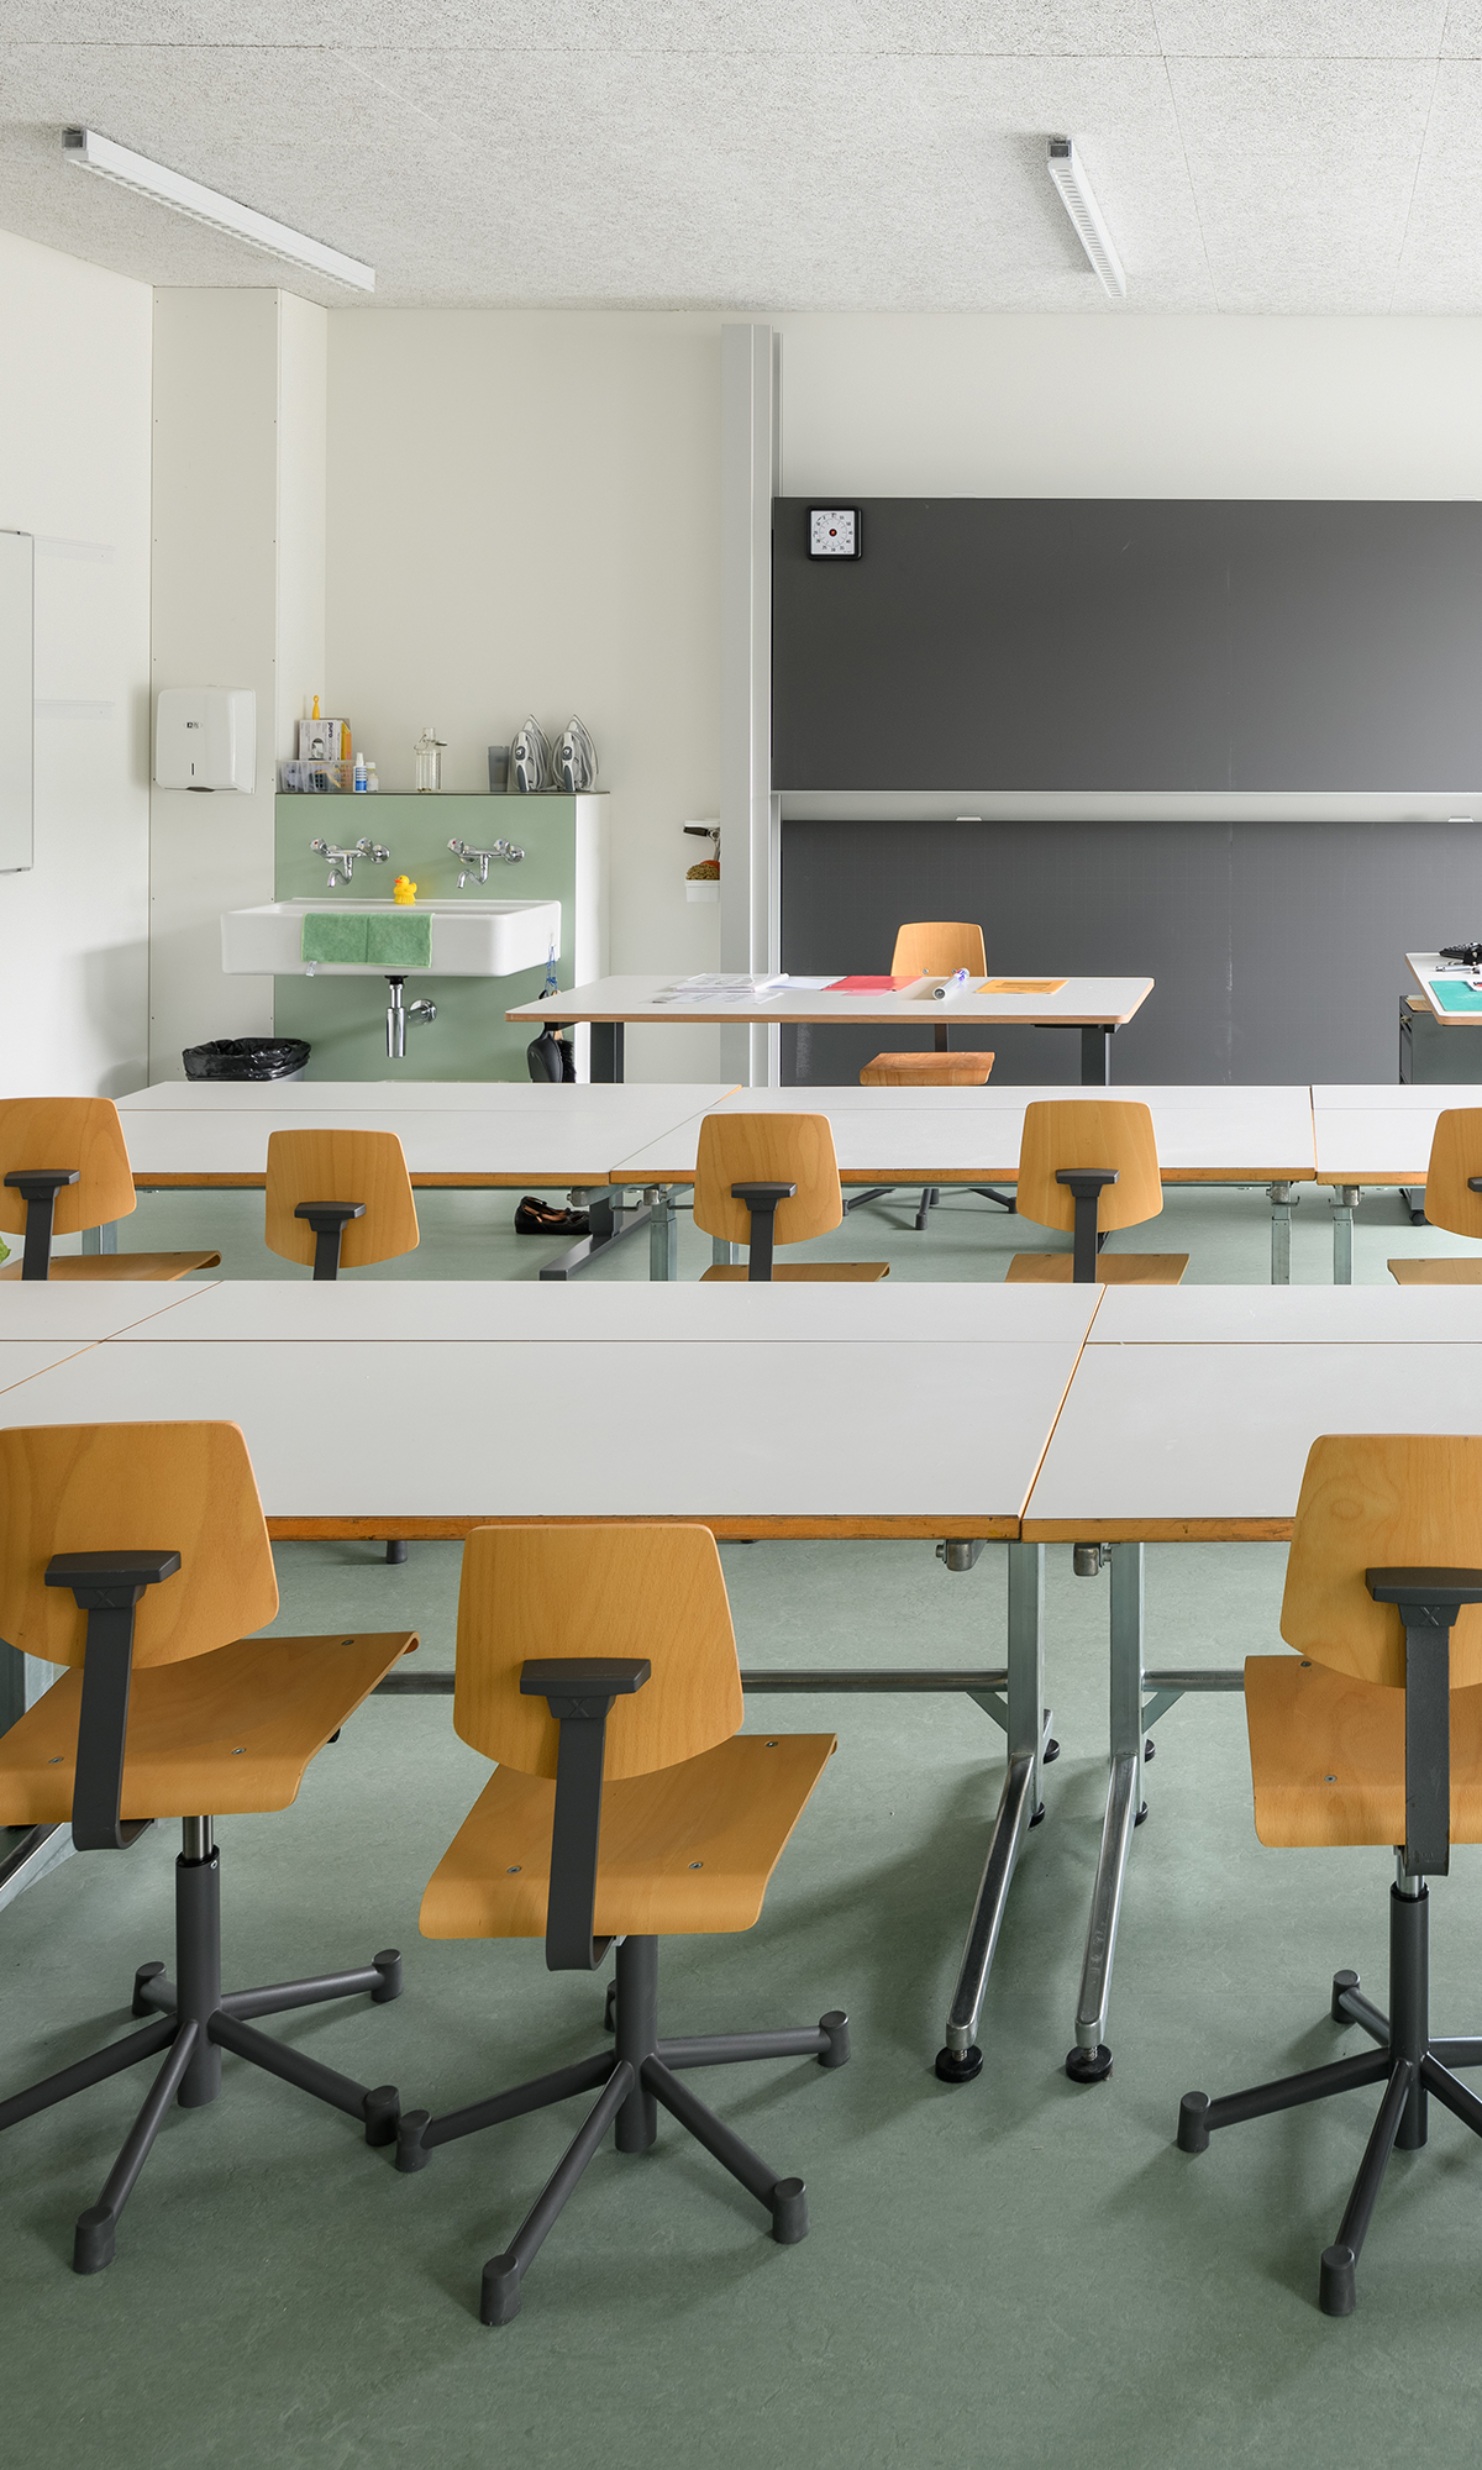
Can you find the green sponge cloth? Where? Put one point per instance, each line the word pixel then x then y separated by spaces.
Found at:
pixel 401 941
pixel 331 935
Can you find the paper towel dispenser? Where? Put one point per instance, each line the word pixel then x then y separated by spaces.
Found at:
pixel 205 737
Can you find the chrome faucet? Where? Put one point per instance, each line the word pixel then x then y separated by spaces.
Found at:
pixel 342 861
pixel 477 861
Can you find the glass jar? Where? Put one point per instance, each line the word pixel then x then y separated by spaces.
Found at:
pixel 429 754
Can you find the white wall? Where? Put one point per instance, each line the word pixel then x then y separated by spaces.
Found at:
pixel 1336 407
pixel 74 470
pixel 238 587
pixel 525 515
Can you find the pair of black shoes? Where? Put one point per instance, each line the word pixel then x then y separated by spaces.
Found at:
pixel 534 1217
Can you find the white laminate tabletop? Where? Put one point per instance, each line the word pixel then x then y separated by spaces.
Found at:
pixel 960 1135
pixel 1285 1316
pixel 1423 967
pixel 555 1135
pixel 1189 1441
pixel 794 1428
pixel 298 1098
pixel 1080 1002
pixel 20 1361
pixel 76 1312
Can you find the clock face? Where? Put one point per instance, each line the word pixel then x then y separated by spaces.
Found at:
pixel 833 531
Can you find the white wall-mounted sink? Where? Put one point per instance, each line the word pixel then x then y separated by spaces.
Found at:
pixel 470 939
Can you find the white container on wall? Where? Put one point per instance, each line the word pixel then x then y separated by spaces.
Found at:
pixel 205 737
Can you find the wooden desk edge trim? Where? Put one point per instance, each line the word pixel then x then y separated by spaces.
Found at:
pixel 1245 1178
pixel 1093 1529
pixel 455 1529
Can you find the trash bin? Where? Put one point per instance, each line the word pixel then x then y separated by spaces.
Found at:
pixel 247 1059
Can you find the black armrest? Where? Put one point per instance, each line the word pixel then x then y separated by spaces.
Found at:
pixel 108 1587
pixel 1086 1185
pixel 761 1202
pixel 1474 1183
pixel 38 1187
pixel 579 1690
pixel 329 1220
pixel 1428 1601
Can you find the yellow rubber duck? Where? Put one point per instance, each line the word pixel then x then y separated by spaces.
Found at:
pixel 404 892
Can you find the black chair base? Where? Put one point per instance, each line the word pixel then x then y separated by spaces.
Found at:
pixel 632 2081
pixel 1408 2063
pixel 192 2023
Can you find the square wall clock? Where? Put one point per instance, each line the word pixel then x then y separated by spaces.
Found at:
pixel 833 531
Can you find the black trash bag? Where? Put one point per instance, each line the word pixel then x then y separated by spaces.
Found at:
pixel 245 1059
pixel 550 1057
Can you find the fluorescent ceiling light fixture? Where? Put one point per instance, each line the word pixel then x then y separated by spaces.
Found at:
pixel 223 214
pixel 1079 201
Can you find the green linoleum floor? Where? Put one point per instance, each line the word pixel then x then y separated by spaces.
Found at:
pixel 1018 2273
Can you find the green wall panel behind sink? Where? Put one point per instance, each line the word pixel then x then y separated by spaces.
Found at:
pixel 344 1019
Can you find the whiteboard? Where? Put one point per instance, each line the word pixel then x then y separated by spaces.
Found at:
pixel 17 706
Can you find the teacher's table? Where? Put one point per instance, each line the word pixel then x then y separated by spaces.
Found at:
pixel 1096 1006
pixel 1378 1133
pixel 972 1136
pixel 457 1135
pixel 426 1410
pixel 1189 1420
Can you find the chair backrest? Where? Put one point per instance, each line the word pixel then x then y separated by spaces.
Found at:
pixel 768 1149
pixel 340 1166
pixel 1456 1155
pixel 1381 1501
pixel 655 1591
pixel 186 1488
pixel 56 1133
pixel 1089 1132
pixel 934 947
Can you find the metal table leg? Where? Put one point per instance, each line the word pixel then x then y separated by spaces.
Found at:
pixel 723 1255
pixel 1019 1808
pixel 1344 1199
pixel 1282 1203
pixel 663 1233
pixel 101 1238
pixel 1096 1038
pixel 607 1050
pixel 610 1222
pixel 1090 2061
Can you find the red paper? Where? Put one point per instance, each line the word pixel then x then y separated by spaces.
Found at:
pixel 869 986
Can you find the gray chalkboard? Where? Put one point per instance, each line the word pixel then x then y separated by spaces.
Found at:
pixel 1131 644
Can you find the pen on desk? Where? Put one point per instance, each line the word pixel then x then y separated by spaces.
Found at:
pixel 951 986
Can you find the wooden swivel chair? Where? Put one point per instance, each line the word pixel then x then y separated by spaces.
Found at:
pixel 1453 1200
pixel 1372 1734
pixel 136 1554
pixel 597 1664
pixel 762 1180
pixel 933 948
pixel 1089 1166
pixel 64 1169
pixel 339 1200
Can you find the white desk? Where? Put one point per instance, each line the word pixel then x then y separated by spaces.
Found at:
pixel 972 1136
pixel 1424 966
pixel 457 1136
pixel 1096 1006
pixel 426 1409
pixel 1377 1133
pixel 1190 1417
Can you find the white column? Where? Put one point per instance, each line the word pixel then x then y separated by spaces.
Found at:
pixel 750 832
pixel 238 600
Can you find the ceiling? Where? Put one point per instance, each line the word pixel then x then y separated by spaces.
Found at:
pixel 1318 156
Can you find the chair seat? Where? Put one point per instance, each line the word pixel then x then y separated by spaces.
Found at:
pixel 1451 1270
pixel 116 1265
pixel 1327 1756
pixel 810 1271
pixel 1112 1268
pixel 227 1732
pixel 931 1071
pixel 689 1848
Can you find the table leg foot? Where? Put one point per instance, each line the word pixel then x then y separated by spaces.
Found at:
pixel 1089 2066
pixel 959 2066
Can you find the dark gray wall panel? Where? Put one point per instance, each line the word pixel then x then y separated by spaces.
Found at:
pixel 1141 644
pixel 1278 948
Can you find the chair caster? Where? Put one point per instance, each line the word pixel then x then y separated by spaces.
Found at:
pixel 1193 2123
pixel 835 2028
pixel 789 2205
pixel 411 2152
pixel 499 2297
pixel 142 2005
pixel 93 2239
pixel 1141 1815
pixel 1049 1753
pixel 382 2112
pixel 388 1965
pixel 396 1551
pixel 1089 2066
pixel 609 2009
pixel 1036 1817
pixel 959 2066
pixel 1341 1982
pixel 1337 2294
